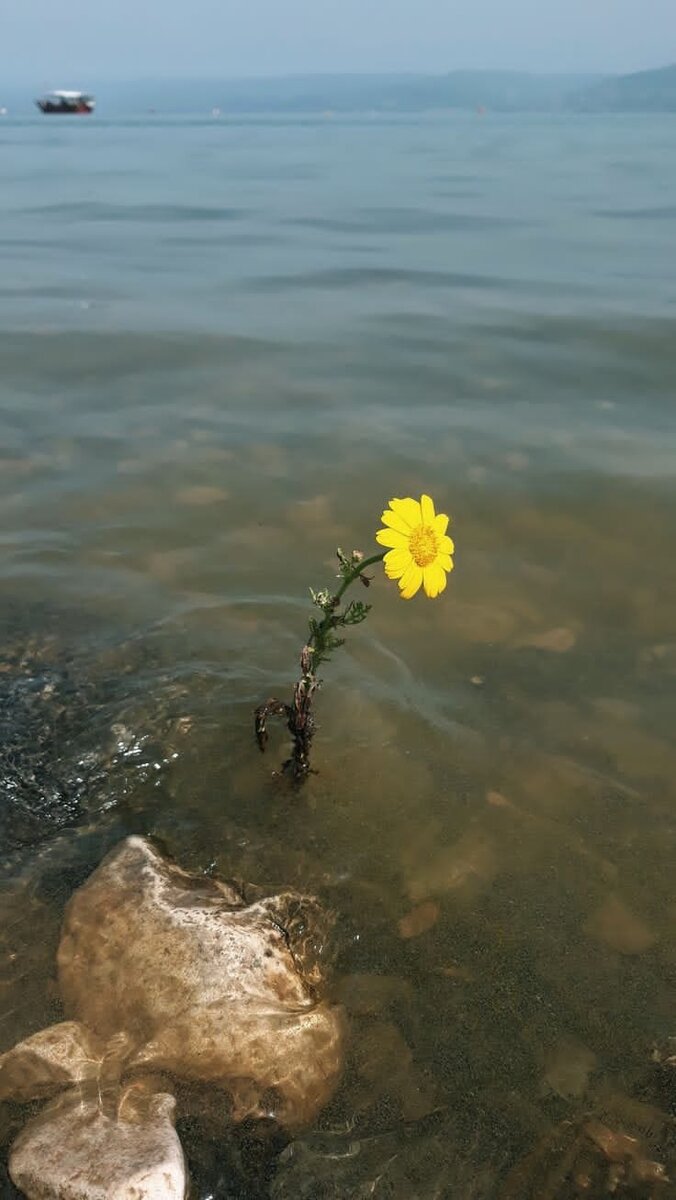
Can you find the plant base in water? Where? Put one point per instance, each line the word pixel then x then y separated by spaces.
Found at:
pixel 298 715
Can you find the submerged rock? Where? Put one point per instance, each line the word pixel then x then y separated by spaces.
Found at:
pixel 60 1056
pixel 162 971
pixel 427 1160
pixel 568 1067
pixel 462 870
pixel 419 920
pixel 76 1149
pixel 619 928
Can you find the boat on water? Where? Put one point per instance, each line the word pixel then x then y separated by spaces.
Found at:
pixel 66 103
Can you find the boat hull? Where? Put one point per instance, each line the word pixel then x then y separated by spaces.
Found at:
pixel 65 108
pixel 64 105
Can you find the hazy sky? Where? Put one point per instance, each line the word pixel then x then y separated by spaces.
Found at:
pixel 42 41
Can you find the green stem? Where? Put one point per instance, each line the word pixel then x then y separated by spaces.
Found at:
pixel 298 715
pixel 329 617
pixel 368 562
pixel 327 623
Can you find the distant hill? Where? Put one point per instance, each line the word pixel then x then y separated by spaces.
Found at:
pixel 502 91
pixel 644 91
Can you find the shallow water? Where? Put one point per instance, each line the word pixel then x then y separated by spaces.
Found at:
pixel 223 346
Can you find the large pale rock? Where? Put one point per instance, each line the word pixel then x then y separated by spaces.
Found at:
pixel 162 971
pixel 77 1149
pixel 207 987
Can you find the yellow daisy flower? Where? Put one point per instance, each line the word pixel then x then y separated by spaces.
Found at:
pixel 420 552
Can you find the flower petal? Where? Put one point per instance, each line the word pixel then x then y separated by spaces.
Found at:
pixel 434 580
pixel 392 538
pixel 410 581
pixel 427 510
pixel 408 509
pixel 445 545
pixel 440 524
pixel 395 521
pixel 445 561
pixel 396 562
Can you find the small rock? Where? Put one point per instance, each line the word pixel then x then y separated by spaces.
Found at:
pixel 461 974
pixel 130 1153
pixel 556 640
pixel 477 474
pixel 497 800
pixel 615 924
pixel 464 869
pixel 385 1065
pixel 618 710
pixel 516 461
pixel 568 1066
pixel 167 565
pixel 183 725
pixel 199 495
pixel 419 920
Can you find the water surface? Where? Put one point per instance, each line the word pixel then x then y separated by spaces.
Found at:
pixel 223 346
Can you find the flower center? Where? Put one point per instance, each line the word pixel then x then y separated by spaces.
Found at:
pixel 423 545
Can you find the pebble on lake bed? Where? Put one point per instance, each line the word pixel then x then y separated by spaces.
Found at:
pixel 617 926
pixel 463 870
pixel 200 494
pixel 558 641
pixel 419 920
pixel 162 971
pixel 568 1068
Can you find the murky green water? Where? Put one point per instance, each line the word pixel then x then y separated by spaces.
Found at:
pixel 223 347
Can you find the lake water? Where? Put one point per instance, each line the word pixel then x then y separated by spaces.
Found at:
pixel 224 345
